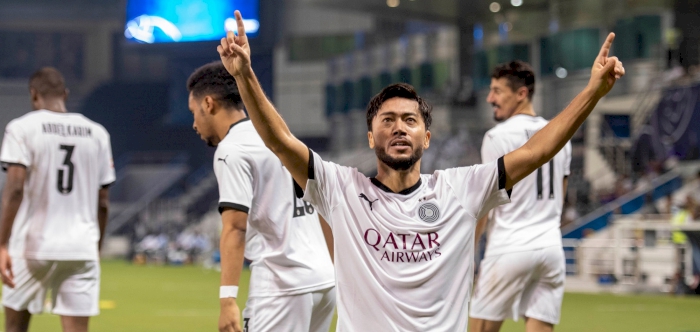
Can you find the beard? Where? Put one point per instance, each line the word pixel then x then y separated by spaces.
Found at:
pixel 495 117
pixel 398 164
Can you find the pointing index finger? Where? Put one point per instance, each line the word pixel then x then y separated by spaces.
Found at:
pixel 239 23
pixel 605 50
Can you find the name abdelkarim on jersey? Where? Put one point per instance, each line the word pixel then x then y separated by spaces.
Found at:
pixel 533 220
pixel 284 239
pixel 404 261
pixel 68 159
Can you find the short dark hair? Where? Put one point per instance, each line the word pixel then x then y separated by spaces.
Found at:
pixel 213 79
pixel 48 82
pixel 518 73
pixel 398 90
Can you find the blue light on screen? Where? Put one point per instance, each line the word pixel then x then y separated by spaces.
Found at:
pixel 165 21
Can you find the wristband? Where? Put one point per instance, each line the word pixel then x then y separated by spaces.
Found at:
pixel 228 291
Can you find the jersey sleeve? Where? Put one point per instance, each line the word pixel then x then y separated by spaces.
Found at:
pixel 14 147
pixel 567 158
pixel 490 149
pixel 234 175
pixel 480 188
pixel 322 185
pixel 107 175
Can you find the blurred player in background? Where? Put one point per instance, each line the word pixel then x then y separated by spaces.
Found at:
pixel 292 284
pixel 54 209
pixel 407 238
pixel 523 271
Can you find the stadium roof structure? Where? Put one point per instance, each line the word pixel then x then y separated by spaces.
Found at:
pixel 462 11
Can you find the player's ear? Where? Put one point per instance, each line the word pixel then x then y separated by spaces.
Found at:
pixel 426 143
pixel 65 94
pixel 209 105
pixel 523 93
pixel 36 99
pixel 370 138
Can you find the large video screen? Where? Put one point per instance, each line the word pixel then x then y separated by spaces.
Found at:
pixel 167 21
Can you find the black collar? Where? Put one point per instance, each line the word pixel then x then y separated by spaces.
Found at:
pixel 402 192
pixel 237 122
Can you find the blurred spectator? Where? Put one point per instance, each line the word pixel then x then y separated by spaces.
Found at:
pixel 569 214
pixel 685 214
pixel 623 185
pixel 187 248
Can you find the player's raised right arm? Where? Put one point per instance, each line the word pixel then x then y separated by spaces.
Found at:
pixel 545 144
pixel 235 55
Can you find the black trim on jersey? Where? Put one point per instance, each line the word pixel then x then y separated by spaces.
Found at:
pixel 105 186
pixel 5 165
pixel 539 183
pixel 298 192
pixel 239 207
pixel 502 176
pixel 402 192
pixel 311 174
pixel 551 179
pixel 237 122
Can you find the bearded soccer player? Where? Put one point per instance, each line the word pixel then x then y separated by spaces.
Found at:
pixel 54 209
pixel 292 284
pixel 523 271
pixel 406 238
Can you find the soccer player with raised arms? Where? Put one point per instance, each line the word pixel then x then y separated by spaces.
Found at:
pixel 523 271
pixel 405 261
pixel 292 285
pixel 54 209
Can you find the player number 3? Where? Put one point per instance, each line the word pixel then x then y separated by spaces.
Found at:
pixel 65 186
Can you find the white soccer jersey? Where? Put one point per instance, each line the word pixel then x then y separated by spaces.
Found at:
pixel 404 261
pixel 284 239
pixel 68 159
pixel 533 220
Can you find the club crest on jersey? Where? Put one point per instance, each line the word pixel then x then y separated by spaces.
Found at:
pixel 429 212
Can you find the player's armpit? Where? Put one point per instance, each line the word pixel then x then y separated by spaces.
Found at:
pixel 480 226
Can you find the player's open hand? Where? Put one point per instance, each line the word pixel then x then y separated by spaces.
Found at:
pixel 230 316
pixel 606 70
pixel 235 50
pixel 8 278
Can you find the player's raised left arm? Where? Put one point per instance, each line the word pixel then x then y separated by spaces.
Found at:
pixel 11 200
pixel 544 145
pixel 235 55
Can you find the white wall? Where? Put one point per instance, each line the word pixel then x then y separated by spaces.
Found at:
pixel 304 20
pixel 299 90
pixel 14 102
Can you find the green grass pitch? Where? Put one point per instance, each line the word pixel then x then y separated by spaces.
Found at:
pixel 164 298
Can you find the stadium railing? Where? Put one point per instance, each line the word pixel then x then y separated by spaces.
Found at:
pixel 627 204
pixel 635 254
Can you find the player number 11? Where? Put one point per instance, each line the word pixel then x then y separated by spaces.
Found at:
pixel 551 181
